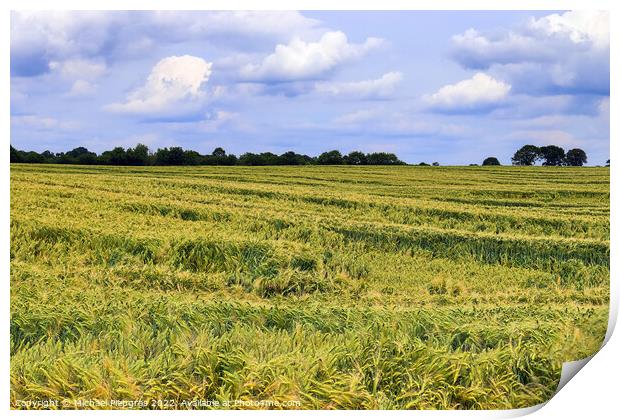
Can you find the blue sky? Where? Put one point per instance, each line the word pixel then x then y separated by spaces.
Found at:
pixel 453 87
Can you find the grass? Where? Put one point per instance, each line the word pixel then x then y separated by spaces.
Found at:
pixel 338 287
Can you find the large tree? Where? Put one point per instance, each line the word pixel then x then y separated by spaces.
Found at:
pixel 552 155
pixel 526 156
pixel 575 157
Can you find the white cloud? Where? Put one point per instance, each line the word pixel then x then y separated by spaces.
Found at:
pixel 37 122
pixel 280 25
pixel 41 37
pixel 175 84
pixel 300 60
pixel 381 88
pixel 82 88
pixel 79 68
pixel 579 26
pixel 81 72
pixel 555 54
pixel 481 91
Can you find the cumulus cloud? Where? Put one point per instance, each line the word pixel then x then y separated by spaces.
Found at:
pixel 174 85
pixel 558 53
pixel 481 92
pixel 579 26
pixel 300 60
pixel 382 88
pixel 40 38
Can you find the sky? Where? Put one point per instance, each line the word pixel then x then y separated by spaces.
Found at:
pixel 452 87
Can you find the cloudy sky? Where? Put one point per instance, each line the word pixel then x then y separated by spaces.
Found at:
pixel 452 87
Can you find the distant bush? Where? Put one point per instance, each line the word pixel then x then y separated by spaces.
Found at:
pixel 491 161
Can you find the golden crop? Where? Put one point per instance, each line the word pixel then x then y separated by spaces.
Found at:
pixel 337 287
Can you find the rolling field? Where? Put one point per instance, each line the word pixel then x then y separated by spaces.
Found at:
pixel 308 287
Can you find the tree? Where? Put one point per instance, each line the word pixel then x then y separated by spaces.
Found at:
pixel 139 155
pixel 356 158
pixel 292 158
pixel 526 156
pixel 575 157
pixel 48 156
pixel 435 163
pixel 333 157
pixel 191 157
pixel 116 156
pixel 173 156
pixel 491 161
pixel 218 157
pixel 176 156
pixel 423 164
pixel 607 163
pixel 270 159
pixel 32 157
pixel 219 152
pixel 250 159
pixel 382 158
pixel 82 156
pixel 552 155
pixel 228 160
pixel 16 155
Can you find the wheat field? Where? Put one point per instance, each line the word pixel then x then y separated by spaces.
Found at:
pixel 307 287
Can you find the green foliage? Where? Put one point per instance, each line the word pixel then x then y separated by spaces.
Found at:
pixel 576 157
pixel 333 157
pixel 176 156
pixel 491 161
pixel 549 155
pixel 552 155
pixel 526 156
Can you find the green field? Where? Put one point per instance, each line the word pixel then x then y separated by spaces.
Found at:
pixel 337 287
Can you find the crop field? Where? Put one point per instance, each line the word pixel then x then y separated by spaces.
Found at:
pixel 307 287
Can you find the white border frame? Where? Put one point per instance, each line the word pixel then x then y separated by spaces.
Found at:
pixel 592 393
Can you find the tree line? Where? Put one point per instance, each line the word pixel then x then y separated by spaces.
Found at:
pixel 549 156
pixel 177 156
